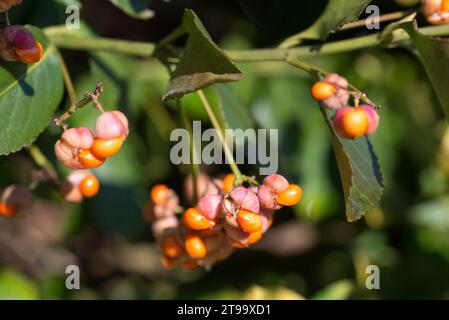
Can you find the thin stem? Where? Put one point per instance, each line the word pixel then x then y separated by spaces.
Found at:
pixel 216 125
pixel 383 18
pixel 88 97
pixel 42 161
pixel 372 40
pixel 194 167
pixel 67 79
pixel 63 38
pixel 69 39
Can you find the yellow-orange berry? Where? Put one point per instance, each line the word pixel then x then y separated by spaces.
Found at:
pixel 167 262
pixel 228 182
pixel 172 248
pixel 249 221
pixel 88 160
pixel 254 237
pixel 322 90
pixel 159 194
pixel 102 148
pixel 7 210
pixel 291 196
pixel 195 246
pixel 355 123
pixel 195 220
pixel 30 55
pixel 89 186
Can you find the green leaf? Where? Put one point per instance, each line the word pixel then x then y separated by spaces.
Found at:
pixel 134 8
pixel 232 112
pixel 359 171
pixel 203 62
pixel 29 95
pixel 434 53
pixel 336 13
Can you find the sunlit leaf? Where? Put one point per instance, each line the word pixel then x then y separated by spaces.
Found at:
pixel 29 95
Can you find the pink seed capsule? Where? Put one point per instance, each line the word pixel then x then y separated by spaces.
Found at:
pixel 337 121
pixel 373 119
pixel 341 96
pixel 267 219
pixel 72 141
pixel 78 138
pixel 275 183
pixel 210 206
pixel 110 125
pixel 266 198
pixel 271 187
pixel 244 198
pixel 19 37
pixel 237 234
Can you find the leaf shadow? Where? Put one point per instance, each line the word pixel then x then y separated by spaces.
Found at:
pixel 18 70
pixel 375 163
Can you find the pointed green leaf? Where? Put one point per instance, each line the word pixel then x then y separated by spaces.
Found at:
pixel 336 13
pixel 202 64
pixel 434 53
pixel 359 171
pixel 29 95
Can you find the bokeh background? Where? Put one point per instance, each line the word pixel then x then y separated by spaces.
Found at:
pixel 311 251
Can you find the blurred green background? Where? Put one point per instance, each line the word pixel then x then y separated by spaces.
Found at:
pixel 310 252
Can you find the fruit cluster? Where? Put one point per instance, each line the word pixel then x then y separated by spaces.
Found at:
pixel 18 44
pixel 226 216
pixel 349 122
pixel 14 200
pixel 79 149
pixel 436 11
